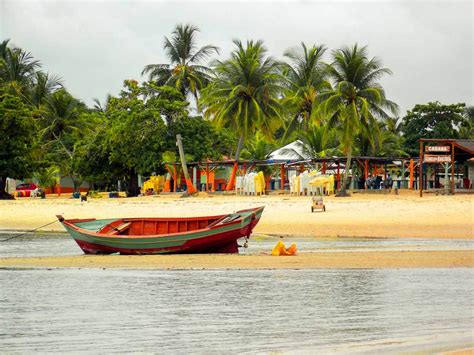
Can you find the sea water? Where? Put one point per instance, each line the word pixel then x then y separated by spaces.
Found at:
pixel 230 311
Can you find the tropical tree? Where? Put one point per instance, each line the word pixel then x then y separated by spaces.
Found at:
pixel 357 100
pixel 41 86
pixel 185 72
pixel 244 95
pixel 172 103
pixel 432 120
pixel 319 140
pixel 467 128
pixel 17 137
pixel 390 141
pixel 47 177
pixel 17 69
pixel 259 148
pixel 304 77
pixel 62 127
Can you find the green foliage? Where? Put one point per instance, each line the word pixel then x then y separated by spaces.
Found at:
pixel 248 100
pixel 62 128
pixel 357 99
pixel 136 131
pixel 17 69
pixel 258 148
pixel 185 72
pixel 305 78
pixel 466 130
pixel 432 120
pixel 47 177
pixel 319 141
pixel 91 157
pixel 171 102
pixel 201 139
pixel 244 94
pixel 17 138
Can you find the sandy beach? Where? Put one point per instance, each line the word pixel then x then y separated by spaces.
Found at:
pixel 326 260
pixel 362 215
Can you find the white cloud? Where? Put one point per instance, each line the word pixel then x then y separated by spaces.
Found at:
pixel 94 46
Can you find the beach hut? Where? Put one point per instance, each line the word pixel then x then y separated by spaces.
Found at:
pixel 451 158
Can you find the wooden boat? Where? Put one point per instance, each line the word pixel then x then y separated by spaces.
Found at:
pixel 211 234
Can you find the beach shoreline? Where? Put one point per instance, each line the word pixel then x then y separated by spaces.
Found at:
pixel 314 260
pixel 361 215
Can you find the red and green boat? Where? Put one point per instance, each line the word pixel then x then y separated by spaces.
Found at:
pixel 129 236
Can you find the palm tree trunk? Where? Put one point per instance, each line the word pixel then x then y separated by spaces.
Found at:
pixel 189 184
pixel 342 191
pixel 231 183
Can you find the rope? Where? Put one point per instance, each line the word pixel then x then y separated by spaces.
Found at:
pixel 21 234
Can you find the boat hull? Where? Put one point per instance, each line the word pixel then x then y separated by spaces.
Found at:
pixel 220 238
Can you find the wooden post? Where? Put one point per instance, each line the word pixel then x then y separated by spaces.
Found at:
pixel 402 178
pixel 421 169
pixel 58 187
pixel 282 177
pixel 366 169
pixel 338 183
pixel 385 171
pixel 323 170
pixel 231 183
pixel 207 177
pixel 452 168
pixel 412 173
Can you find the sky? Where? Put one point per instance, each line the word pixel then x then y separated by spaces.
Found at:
pixel 95 45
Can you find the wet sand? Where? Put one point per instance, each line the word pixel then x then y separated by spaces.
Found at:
pixel 332 260
pixel 362 215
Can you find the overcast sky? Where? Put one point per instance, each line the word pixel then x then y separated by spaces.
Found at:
pixel 95 45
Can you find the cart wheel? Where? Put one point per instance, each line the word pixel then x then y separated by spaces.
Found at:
pixel 312 209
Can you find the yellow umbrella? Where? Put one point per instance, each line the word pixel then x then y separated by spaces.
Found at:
pixel 319 181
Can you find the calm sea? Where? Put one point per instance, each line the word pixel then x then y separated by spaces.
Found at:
pixel 230 311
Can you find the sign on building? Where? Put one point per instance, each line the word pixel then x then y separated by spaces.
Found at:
pixel 428 158
pixel 437 148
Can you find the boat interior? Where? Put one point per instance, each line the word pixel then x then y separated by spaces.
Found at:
pixel 157 226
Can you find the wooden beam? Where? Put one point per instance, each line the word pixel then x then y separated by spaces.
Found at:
pixel 421 169
pixel 282 177
pixel 452 168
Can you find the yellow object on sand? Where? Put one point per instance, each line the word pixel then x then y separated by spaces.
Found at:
pixel 157 183
pixel 259 181
pixel 324 181
pixel 280 250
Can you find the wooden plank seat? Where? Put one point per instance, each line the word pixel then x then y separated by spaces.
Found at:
pixel 115 230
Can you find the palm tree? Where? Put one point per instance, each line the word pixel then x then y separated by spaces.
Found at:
pixel 61 120
pixel 305 76
pixel 43 85
pixel 184 73
pixel 466 130
pixel 357 99
pixel 62 127
pixel 244 94
pixel 319 140
pixel 17 68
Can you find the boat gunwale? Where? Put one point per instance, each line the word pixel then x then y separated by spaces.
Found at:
pixel 150 236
